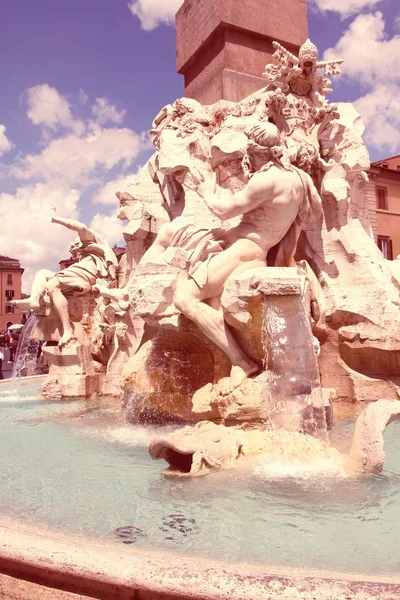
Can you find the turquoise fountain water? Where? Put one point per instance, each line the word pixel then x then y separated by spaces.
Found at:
pixel 80 469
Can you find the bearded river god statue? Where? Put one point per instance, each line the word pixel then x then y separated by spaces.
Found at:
pixel 272 207
pixel 252 291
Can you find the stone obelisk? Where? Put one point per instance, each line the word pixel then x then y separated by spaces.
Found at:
pixel 224 45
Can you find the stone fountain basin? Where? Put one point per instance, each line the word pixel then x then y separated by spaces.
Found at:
pixel 83 508
pixel 93 570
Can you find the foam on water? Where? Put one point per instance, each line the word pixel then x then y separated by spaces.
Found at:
pixel 127 435
pixel 17 398
pixel 300 470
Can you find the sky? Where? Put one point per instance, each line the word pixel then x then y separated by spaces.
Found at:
pixel 82 80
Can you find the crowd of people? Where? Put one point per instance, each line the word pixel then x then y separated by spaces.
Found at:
pixel 8 348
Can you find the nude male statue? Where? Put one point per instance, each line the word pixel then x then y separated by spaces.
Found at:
pixel 275 202
pixel 276 197
pixel 96 260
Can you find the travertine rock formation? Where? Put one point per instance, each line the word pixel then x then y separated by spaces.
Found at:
pixel 183 375
pixel 248 239
pixel 360 289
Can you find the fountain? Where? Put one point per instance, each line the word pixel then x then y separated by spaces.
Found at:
pixel 25 363
pixel 250 294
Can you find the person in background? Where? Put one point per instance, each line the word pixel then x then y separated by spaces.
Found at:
pixel 1 361
pixel 13 346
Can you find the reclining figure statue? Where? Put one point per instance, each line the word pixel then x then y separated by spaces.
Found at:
pixel 96 261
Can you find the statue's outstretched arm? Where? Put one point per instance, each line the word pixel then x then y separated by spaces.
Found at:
pixel 85 234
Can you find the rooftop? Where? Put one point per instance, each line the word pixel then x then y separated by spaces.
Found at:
pixel 9 263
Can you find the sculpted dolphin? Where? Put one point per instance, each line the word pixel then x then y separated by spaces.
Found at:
pixel 195 450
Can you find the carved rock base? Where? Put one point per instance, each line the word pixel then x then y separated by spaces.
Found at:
pixel 72 373
pixel 181 375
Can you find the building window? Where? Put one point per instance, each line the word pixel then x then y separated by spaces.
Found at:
pixel 385 246
pixel 9 294
pixel 381 198
pixel 9 310
pixel 385 165
pixel 9 278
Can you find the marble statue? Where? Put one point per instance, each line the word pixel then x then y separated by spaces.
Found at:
pixel 252 293
pixel 300 74
pixel 120 295
pixel 96 260
pixel 276 196
pixel 207 446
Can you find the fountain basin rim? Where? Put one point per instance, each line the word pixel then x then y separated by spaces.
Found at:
pixel 101 570
pixel 22 379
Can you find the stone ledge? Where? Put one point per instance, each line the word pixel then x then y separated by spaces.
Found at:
pixel 97 569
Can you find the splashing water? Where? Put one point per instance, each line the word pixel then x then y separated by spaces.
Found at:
pixel 293 398
pixel 25 361
pixel 174 368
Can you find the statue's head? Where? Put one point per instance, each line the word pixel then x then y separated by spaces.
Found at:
pixel 125 205
pixel 265 134
pixel 308 57
pixel 120 330
pixel 75 248
pixel 264 145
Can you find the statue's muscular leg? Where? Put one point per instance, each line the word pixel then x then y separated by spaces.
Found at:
pixel 162 241
pixel 189 299
pixel 60 304
pixel 38 288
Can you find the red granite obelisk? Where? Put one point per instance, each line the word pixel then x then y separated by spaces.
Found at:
pixel 224 45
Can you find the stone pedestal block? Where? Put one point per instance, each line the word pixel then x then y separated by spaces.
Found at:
pixel 72 373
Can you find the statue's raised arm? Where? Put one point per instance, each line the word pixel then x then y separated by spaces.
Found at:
pixel 85 234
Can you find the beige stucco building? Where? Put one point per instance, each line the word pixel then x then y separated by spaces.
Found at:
pixel 10 289
pixel 384 176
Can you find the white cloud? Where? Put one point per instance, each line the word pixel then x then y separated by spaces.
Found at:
pixel 380 111
pixel 5 144
pixel 73 156
pixel 74 159
pixel 106 194
pixel 29 234
pixel 104 111
pixel 48 108
pixel 109 227
pixel 345 8
pixel 152 13
pixel 370 57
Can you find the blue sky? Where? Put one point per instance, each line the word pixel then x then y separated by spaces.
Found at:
pixel 81 81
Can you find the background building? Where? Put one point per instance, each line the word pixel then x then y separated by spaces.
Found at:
pixel 10 289
pixel 384 178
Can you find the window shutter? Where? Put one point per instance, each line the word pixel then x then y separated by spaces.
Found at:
pixel 390 249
